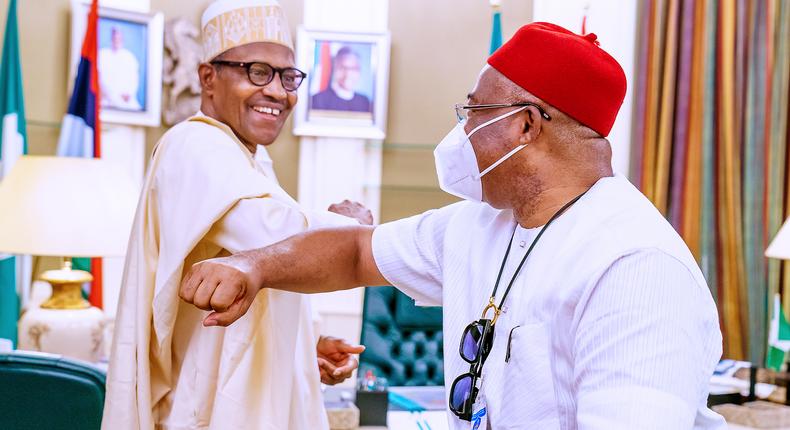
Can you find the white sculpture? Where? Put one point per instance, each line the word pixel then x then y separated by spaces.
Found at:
pixel 183 53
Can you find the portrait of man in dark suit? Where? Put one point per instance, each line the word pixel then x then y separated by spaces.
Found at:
pixel 341 94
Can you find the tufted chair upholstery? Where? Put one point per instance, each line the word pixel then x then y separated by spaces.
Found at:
pixel 404 342
pixel 44 391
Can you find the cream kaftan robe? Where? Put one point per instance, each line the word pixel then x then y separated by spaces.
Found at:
pixel 205 195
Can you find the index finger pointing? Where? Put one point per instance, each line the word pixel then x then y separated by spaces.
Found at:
pixel 342 346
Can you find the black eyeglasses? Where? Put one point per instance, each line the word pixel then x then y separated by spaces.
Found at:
pixel 461 110
pixel 261 74
pixel 476 343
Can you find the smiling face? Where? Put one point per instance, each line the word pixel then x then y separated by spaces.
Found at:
pixel 255 114
pixel 346 73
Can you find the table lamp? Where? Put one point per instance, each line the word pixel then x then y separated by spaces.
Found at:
pixel 65 207
pixel 780 246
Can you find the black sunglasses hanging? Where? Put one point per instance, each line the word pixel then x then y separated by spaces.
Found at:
pixel 478 337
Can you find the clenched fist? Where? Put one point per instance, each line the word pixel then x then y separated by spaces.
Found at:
pixel 225 285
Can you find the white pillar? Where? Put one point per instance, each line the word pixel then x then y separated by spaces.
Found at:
pixel 124 145
pixel 333 169
pixel 614 22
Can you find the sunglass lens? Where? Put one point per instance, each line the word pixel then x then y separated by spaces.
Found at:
pixel 462 390
pixel 470 343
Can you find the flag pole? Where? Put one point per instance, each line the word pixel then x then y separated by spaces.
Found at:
pixel 80 133
pixel 496 26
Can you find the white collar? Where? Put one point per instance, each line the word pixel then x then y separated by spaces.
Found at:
pixel 342 93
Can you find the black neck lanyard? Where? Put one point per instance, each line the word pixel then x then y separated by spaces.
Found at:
pixel 492 299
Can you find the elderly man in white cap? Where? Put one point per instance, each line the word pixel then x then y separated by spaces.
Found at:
pixel 211 191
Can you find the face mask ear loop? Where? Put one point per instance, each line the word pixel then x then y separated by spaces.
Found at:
pixel 509 154
pixel 491 121
pixel 501 160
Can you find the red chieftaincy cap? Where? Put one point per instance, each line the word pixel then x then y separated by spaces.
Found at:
pixel 566 70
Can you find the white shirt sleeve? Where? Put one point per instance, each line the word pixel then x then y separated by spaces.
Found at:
pixel 646 345
pixel 256 223
pixel 409 253
pixel 326 219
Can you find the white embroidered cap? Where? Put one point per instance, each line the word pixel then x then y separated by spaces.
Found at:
pixel 227 24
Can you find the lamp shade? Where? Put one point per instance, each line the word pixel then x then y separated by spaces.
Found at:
pixel 66 206
pixel 780 246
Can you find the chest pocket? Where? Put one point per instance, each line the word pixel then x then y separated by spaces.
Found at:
pixel 528 399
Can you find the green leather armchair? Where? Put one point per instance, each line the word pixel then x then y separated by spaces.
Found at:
pixel 43 391
pixel 403 341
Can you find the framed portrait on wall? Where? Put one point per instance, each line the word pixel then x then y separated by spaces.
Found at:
pixel 129 62
pixel 345 94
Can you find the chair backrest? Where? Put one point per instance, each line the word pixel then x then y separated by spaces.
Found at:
pixel 403 341
pixel 43 391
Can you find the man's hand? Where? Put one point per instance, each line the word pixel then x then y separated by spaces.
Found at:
pixel 336 360
pixel 225 285
pixel 353 210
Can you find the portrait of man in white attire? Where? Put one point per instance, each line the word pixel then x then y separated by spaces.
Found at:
pixel 119 72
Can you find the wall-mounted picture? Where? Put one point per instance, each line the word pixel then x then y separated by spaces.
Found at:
pixel 345 94
pixel 129 63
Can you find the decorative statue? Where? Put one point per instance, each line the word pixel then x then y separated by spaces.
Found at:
pixel 183 53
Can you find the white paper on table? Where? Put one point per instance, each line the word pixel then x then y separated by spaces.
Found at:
pixel 402 420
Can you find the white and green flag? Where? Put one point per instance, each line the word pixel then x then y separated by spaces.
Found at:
pixel 778 337
pixel 12 105
pixel 13 143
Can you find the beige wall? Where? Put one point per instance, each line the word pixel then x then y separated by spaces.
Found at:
pixel 438 48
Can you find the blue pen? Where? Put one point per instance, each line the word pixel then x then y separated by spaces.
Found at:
pixel 417 420
pixel 427 426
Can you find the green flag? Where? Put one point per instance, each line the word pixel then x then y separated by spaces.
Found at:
pixel 9 301
pixel 13 135
pixel 778 337
pixel 496 31
pixel 13 138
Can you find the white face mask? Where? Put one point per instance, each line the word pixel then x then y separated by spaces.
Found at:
pixel 456 163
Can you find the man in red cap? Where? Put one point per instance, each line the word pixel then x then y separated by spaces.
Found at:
pixel 569 302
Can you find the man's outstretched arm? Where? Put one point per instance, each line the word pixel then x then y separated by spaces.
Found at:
pixel 312 262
